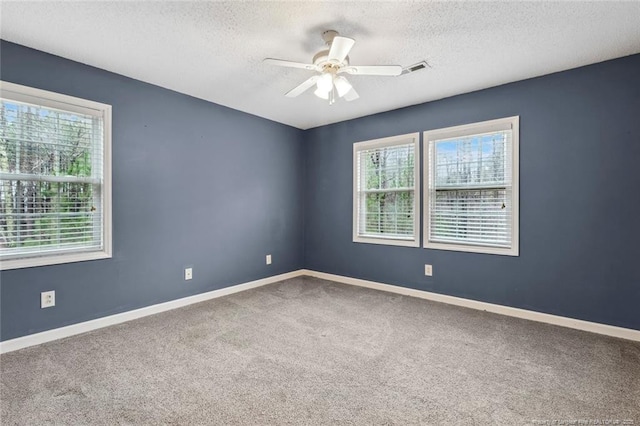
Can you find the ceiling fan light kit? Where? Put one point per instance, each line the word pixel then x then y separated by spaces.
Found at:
pixel 329 63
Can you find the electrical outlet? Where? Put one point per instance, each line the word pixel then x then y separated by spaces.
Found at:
pixel 188 274
pixel 47 299
pixel 428 270
pixel 268 259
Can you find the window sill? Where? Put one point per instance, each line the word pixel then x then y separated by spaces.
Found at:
pixel 387 241
pixel 473 249
pixel 53 259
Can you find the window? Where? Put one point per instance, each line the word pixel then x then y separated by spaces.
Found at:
pixel 55 178
pixel 385 183
pixel 471 195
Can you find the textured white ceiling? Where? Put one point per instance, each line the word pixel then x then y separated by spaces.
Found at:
pixel 213 50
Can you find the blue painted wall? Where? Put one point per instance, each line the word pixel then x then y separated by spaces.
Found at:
pixel 194 183
pixel 199 184
pixel 579 202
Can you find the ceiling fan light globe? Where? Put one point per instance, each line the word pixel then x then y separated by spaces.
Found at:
pixel 321 94
pixel 325 83
pixel 342 86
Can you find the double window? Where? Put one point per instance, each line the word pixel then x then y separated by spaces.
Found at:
pixel 55 177
pixel 470 200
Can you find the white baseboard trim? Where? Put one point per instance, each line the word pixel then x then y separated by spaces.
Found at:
pixel 83 327
pixel 593 327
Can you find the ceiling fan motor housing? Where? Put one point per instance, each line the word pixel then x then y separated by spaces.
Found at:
pixel 321 59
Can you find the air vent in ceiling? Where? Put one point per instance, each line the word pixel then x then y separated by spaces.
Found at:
pixel 415 67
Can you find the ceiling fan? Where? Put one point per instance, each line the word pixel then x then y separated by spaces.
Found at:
pixel 330 64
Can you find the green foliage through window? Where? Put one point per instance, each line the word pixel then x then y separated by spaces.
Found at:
pixel 386 191
pixel 50 186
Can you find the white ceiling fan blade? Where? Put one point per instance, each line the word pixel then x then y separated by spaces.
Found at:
pixel 387 70
pixel 302 87
pixel 351 95
pixel 289 64
pixel 340 47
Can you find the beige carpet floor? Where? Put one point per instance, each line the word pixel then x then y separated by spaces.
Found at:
pixel 307 351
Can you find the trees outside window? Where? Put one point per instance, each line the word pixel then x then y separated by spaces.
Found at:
pixel 54 178
pixel 386 178
pixel 471 193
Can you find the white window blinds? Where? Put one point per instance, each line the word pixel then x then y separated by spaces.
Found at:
pixel 385 189
pixel 51 180
pixel 471 187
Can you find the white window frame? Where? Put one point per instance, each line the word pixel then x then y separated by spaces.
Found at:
pixel 24 94
pixel 467 130
pixel 380 143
